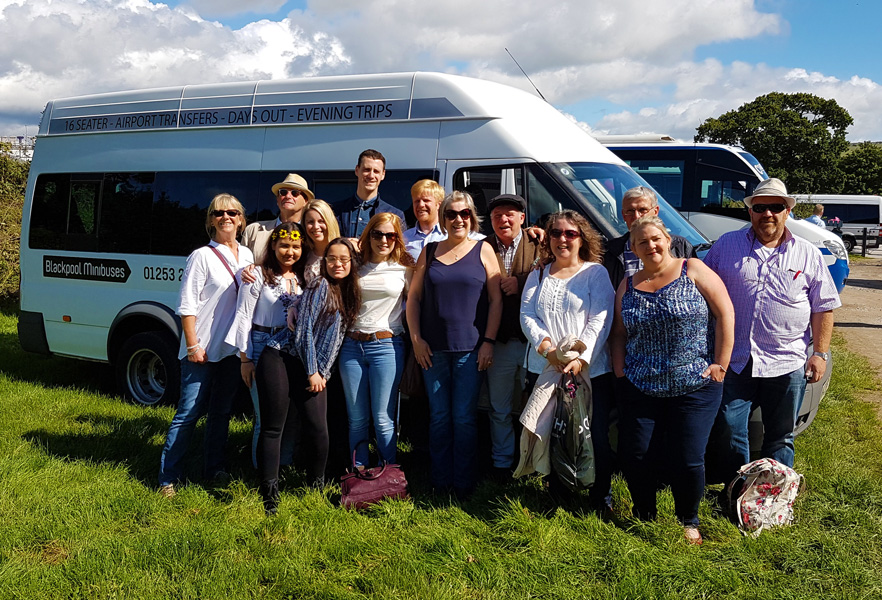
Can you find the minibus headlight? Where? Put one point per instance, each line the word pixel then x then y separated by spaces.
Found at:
pixel 837 249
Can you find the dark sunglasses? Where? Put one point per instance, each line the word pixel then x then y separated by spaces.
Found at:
pixel 570 234
pixel 451 215
pixel 379 235
pixel 229 213
pixel 761 208
pixel 294 193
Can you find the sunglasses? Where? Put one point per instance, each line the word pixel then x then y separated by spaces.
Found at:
pixel 465 214
pixel 294 193
pixel 229 213
pixel 380 235
pixel 570 234
pixel 761 208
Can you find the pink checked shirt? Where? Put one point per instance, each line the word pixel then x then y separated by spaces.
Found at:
pixel 774 297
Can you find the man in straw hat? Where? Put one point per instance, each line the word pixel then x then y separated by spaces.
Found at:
pixel 784 298
pixel 292 194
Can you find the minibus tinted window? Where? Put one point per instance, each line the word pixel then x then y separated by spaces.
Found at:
pixel 126 205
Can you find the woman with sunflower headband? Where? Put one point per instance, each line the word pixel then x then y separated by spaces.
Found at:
pixel 262 310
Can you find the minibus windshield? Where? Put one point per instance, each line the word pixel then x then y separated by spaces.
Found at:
pixel 603 185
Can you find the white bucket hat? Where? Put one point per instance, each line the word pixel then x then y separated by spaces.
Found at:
pixel 771 188
pixel 294 182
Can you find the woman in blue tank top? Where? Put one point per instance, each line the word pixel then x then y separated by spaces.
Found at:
pixel 453 311
pixel 671 367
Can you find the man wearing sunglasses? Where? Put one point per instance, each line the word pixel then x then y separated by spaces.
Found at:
pixel 618 259
pixel 292 194
pixel 784 298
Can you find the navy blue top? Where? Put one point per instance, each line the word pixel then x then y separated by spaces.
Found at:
pixel 353 214
pixel 670 341
pixel 454 307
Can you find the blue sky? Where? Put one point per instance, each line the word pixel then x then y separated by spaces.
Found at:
pixel 626 67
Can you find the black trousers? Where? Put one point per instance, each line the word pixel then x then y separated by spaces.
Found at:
pixel 281 388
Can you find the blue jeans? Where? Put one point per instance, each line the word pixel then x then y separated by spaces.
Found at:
pixel 453 383
pixel 370 373
pixel 206 389
pixel 666 434
pixel 779 398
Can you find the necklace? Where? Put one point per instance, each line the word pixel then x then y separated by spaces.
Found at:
pixel 660 272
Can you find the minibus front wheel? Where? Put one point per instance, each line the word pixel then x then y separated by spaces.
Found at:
pixel 148 370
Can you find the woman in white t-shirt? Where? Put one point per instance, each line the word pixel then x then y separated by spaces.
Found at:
pixel 372 357
pixel 209 369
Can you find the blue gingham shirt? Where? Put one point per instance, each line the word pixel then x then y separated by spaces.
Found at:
pixel 774 293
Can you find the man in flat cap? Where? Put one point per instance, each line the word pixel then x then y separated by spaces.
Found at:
pixel 517 254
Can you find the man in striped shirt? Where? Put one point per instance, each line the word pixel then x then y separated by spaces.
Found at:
pixel 784 299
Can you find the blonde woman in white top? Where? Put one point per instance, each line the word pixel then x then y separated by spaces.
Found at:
pixel 209 369
pixel 372 356
pixel 321 228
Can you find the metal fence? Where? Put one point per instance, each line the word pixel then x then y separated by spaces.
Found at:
pixel 18 146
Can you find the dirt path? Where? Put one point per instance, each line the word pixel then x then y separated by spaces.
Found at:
pixel 859 319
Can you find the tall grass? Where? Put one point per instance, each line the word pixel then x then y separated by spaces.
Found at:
pixel 80 518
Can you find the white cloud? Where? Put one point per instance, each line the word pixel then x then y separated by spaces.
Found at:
pixel 221 8
pixel 704 91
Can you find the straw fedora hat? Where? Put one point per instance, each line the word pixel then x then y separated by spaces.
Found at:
pixel 294 182
pixel 771 188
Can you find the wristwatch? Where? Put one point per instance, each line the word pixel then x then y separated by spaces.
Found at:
pixel 824 355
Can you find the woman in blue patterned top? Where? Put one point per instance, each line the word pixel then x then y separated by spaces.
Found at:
pixel 671 366
pixel 296 368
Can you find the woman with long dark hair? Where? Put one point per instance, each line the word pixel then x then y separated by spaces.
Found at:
pixel 297 368
pixel 263 306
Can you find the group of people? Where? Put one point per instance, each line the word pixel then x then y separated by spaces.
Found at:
pixel 678 347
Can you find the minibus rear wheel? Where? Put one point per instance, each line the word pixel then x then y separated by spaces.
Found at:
pixel 147 369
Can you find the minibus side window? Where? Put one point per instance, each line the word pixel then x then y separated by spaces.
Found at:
pixel 126 204
pixel 82 216
pixel 545 197
pixel 665 177
pixel 181 201
pixel 48 219
pixel 485 183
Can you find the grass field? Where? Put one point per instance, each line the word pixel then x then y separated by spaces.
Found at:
pixel 80 517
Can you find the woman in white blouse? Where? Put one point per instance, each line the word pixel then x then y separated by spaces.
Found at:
pixel 321 227
pixel 572 295
pixel 209 369
pixel 372 356
pixel 262 311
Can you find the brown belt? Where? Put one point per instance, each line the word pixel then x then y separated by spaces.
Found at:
pixel 370 337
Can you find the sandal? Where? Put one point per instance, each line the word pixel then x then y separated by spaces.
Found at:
pixel 692 535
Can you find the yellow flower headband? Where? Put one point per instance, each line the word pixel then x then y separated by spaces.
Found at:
pixel 284 233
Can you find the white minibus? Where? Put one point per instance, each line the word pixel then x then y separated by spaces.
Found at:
pixel 849 215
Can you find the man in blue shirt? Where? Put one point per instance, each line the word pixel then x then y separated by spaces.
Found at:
pixel 355 212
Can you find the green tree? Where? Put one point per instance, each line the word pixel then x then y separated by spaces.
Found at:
pixel 797 137
pixel 13 177
pixel 862 169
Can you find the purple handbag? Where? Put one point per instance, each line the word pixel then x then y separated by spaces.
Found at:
pixel 365 487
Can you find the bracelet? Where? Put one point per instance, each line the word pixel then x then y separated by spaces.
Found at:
pixel 721 367
pixel 245 362
pixel 490 341
pixel 193 347
pixel 194 351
